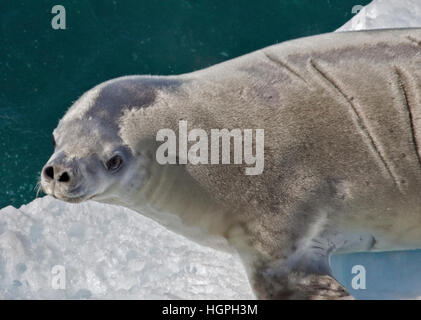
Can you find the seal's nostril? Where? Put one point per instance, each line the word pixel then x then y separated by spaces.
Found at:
pixel 49 172
pixel 64 177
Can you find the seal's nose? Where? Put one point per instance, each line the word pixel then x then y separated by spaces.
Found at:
pixel 55 173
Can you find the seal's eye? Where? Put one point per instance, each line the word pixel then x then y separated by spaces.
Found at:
pixel 54 142
pixel 114 163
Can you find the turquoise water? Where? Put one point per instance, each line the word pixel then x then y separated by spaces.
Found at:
pixel 42 71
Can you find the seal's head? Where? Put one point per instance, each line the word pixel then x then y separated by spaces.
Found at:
pixel 90 160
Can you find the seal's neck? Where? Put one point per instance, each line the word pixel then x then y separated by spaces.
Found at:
pixel 174 199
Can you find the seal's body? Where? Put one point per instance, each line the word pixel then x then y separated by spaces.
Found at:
pixel 342 120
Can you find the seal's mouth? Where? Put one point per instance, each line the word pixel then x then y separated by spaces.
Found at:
pixel 77 199
pixel 75 195
pixel 71 198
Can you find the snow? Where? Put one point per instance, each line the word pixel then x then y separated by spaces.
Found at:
pixel 380 14
pixel 105 252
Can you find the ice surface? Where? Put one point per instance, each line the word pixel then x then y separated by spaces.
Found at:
pixel 112 252
pixel 386 14
pixel 107 252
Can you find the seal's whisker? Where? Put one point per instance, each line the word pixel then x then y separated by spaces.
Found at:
pixel 38 188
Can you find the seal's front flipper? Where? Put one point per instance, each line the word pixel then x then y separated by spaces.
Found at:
pixel 296 285
pixel 318 287
pixel 304 272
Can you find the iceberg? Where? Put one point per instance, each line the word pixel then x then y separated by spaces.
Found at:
pixel 107 252
pixel 384 14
